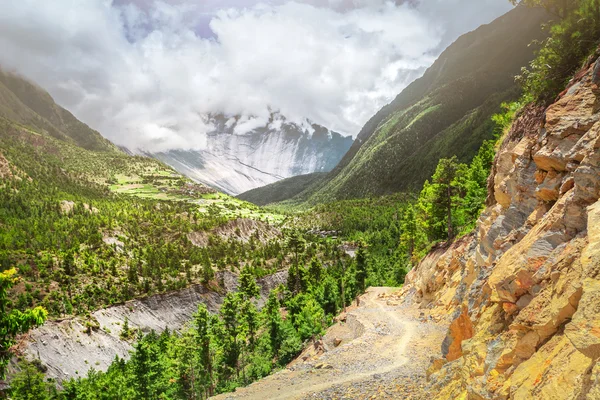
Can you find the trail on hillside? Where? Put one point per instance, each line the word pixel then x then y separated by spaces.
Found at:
pixel 385 353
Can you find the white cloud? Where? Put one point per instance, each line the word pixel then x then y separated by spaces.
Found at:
pixel 146 74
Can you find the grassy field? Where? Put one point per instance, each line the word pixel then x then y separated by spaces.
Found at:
pixel 216 203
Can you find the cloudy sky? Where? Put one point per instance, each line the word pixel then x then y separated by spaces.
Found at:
pixel 146 73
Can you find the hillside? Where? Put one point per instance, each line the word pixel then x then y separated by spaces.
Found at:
pixel 113 227
pixel 446 112
pixel 117 248
pixel 91 228
pixel 281 190
pixel 24 102
pixel 110 244
pixel 522 293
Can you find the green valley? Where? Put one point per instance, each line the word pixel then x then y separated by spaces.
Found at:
pixel 453 253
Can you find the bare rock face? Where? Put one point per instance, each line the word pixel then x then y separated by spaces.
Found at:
pixel 241 229
pixel 460 329
pixel 524 293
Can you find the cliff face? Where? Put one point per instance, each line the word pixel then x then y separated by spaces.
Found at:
pixel 523 292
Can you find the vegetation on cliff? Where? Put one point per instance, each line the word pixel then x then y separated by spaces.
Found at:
pixel 573 37
pixel 524 291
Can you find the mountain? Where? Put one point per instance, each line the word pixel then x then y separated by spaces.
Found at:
pixel 26 103
pixel 87 226
pixel 281 190
pixel 444 113
pixel 236 162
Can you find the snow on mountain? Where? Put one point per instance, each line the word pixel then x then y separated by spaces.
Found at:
pixel 235 161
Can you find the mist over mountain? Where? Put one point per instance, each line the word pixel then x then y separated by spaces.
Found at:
pixel 147 73
pixel 150 75
pixel 235 160
pixel 445 113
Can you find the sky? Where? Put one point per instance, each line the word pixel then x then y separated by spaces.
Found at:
pixel 148 74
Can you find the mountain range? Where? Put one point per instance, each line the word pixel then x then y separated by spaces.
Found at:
pixel 444 113
pixel 235 162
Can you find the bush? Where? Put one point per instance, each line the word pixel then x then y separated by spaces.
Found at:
pixel 572 39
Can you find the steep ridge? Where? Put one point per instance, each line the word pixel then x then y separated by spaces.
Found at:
pixel 523 292
pixel 235 162
pixel 446 112
pixel 26 103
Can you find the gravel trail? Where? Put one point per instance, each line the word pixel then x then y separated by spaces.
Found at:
pixel 385 351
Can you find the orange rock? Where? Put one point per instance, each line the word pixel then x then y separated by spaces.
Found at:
pixel 510 308
pixel 460 329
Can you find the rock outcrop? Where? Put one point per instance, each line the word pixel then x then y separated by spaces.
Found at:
pixel 523 293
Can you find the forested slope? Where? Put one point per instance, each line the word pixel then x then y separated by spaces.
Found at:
pixel 24 102
pixel 87 234
pixel 445 113
pixel 281 190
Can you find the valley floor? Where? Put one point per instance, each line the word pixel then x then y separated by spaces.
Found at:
pixel 385 352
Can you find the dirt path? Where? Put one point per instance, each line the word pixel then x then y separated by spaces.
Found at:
pixel 384 354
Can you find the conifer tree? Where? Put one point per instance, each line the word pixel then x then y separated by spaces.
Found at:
pixel 14 322
pixel 248 287
pixel 361 267
pixel 202 324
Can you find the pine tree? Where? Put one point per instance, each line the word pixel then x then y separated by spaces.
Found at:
pixel 361 267
pixel 315 271
pixel 274 322
pixel 296 244
pixel 409 229
pixel 202 325
pixel 230 315
pixel 248 287
pixel 442 179
pixel 14 322
pixel 30 384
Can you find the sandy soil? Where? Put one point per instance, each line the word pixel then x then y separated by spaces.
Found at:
pixel 384 354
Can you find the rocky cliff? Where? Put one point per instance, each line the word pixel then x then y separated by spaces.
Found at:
pixel 71 347
pixel 523 292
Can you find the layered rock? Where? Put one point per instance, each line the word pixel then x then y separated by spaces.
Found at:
pixel 523 293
